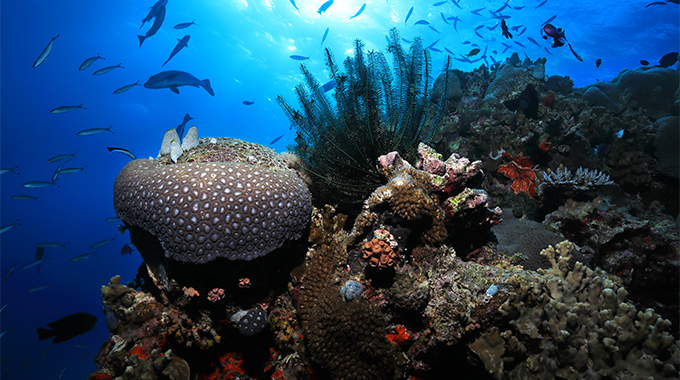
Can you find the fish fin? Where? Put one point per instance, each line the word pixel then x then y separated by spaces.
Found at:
pixel 174 89
pixel 206 84
pixel 45 333
pixel 141 40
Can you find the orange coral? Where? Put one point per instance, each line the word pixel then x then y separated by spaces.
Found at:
pixel 379 253
pixel 523 178
pixel 399 336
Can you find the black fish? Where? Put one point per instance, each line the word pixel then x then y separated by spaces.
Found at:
pixel 68 327
pixel 123 151
pixel 527 102
pixel 180 128
pixel 504 28
pixel 598 62
pixel 275 140
pixel 644 63
pixel 668 59
pixel 249 103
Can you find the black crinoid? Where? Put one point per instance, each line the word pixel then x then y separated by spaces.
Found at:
pixel 376 110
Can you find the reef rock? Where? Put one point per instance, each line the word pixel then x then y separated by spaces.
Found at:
pixel 453 89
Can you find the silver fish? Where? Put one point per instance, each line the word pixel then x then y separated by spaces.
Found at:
pixel 64 109
pixel 38 288
pixel 21 197
pixel 52 244
pixel 9 170
pixel 173 79
pixel 113 219
pixel 72 170
pixel 55 175
pixel 60 157
pixel 88 62
pixel 108 69
pixel 82 257
pixel 10 271
pixel 185 25
pixel 102 243
pixel 38 184
pixel 3 308
pixel 43 56
pixel 94 131
pixel 126 88
pixel 157 22
pixel 180 45
pixel 9 226
pixel 33 264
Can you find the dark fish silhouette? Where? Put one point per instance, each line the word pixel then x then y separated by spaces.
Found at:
pixel 180 128
pixel 249 103
pixel 157 22
pixel 275 140
pixel 598 62
pixel 504 28
pixel 180 45
pixel 173 79
pixel 123 151
pixel 68 327
pixel 644 63
pixel 668 59
pixel 185 25
pixel 473 52
pixel 410 11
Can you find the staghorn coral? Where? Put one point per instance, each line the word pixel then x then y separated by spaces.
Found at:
pixel 576 324
pixel 582 179
pixel 378 110
pixel 202 210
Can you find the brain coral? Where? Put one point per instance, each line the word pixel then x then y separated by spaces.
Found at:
pixel 199 211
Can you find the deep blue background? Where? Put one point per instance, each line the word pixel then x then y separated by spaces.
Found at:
pixel 243 47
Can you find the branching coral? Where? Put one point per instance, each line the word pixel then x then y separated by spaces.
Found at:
pixel 376 111
pixel 582 179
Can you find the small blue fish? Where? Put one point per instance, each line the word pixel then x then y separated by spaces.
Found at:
pixel 295 5
pixel 108 69
pixel 275 140
pixel 94 131
pixel 433 28
pixel 359 12
pixel 619 133
pixel 440 3
pixel 248 102
pixel 324 7
pixel 88 62
pixel 432 44
pixel 518 43
pixel 549 20
pixel 9 170
pixel 299 57
pixel 81 257
pixel 456 3
pixel 52 244
pixel 127 249
pixel 9 271
pixel 449 51
pixel 185 25
pixel 443 17
pixel 127 87
pixel 43 56
pixel 534 41
pixel 102 243
pixel 455 22
pixel 541 4
pixel 123 151
pixel 60 157
pixel 25 198
pixel 38 184
pixel 65 109
pixel 325 34
pixel 410 11
pixel 38 288
pixel 113 219
pixel 421 22
pixel 476 11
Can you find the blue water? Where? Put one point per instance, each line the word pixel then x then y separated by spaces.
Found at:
pixel 244 48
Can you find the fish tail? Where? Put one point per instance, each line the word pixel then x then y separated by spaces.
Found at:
pixel 163 64
pixel 45 333
pixel 206 84
pixel 141 40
